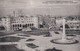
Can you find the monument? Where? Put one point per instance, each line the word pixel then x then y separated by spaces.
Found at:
pixel 64 39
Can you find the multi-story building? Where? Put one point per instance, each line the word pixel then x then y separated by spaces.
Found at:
pixel 24 22
pixel 6 22
pixel 17 23
pixel 74 24
pixel 21 22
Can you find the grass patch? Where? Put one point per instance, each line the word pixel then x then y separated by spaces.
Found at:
pixel 31 45
pixel 10 39
pixel 6 33
pixel 37 33
pixel 9 48
pixel 56 32
pixel 47 35
pixel 53 49
pixel 30 40
pixel 24 35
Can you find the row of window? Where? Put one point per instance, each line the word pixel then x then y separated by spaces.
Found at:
pixel 75 27
pixel 70 18
pixel 22 21
pixel 74 23
pixel 20 25
pixel 25 19
pixel 19 28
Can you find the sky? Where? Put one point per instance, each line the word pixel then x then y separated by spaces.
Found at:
pixel 34 7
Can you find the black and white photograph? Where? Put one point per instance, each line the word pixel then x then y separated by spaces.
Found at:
pixel 39 25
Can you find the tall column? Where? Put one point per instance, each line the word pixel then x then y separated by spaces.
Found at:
pixel 64 34
pixel 64 39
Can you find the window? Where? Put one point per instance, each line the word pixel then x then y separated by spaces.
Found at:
pixel 78 18
pixel 72 26
pixel 28 24
pixel 13 25
pixel 20 25
pixel 32 24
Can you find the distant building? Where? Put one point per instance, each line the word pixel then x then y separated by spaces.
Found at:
pixel 73 24
pixel 24 22
pixel 6 22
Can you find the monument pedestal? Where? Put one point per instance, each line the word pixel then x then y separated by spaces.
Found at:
pixel 64 39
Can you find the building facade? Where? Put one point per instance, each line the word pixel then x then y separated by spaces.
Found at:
pixel 6 22
pixel 75 24
pixel 72 22
pixel 22 22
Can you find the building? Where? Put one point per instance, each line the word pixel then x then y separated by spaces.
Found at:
pixel 6 22
pixel 18 23
pixel 0 22
pixel 72 22
pixel 22 22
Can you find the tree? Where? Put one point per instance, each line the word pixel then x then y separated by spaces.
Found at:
pixel 2 28
pixel 49 22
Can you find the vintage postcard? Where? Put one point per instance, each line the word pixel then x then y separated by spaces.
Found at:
pixel 39 25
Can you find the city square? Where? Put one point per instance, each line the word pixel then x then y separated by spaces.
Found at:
pixel 41 42
pixel 39 25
